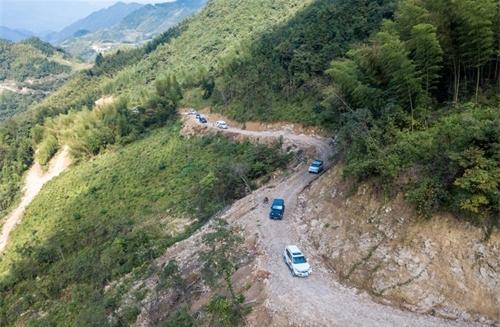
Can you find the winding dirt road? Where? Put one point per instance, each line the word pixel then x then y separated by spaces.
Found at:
pixel 318 300
pixel 35 179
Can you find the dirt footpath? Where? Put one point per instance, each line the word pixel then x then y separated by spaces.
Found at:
pixel 35 179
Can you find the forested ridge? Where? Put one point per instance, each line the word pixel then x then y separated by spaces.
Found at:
pixel 31 58
pixel 410 89
pixel 29 70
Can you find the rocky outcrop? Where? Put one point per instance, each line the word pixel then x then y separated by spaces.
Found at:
pixel 439 266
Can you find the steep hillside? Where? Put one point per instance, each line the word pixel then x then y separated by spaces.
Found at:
pixel 412 111
pixel 195 46
pixel 31 59
pixel 437 266
pixel 281 76
pixel 156 18
pixel 112 216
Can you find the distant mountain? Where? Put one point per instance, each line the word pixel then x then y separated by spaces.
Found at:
pixel 137 27
pixel 101 19
pixel 159 17
pixel 14 34
pixel 42 17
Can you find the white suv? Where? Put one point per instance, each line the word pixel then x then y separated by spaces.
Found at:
pixel 296 261
pixel 221 124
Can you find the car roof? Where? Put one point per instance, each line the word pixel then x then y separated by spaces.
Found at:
pixel 318 161
pixel 294 250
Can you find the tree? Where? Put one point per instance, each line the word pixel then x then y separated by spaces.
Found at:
pixel 426 53
pixel 397 69
pixel 478 185
pixel 475 34
pixel 223 254
pixel 409 14
pixel 164 102
pixel 99 59
pixel 220 261
pixel 349 79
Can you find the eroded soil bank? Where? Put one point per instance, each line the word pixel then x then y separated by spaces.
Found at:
pixel 438 266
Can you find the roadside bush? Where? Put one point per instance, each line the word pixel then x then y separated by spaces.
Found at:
pixel 46 149
pixel 453 165
pixel 225 312
pixel 426 195
pixel 170 276
pixel 180 318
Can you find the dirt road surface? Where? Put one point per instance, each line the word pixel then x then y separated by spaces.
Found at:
pixel 318 300
pixel 35 179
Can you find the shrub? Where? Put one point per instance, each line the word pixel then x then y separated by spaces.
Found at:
pixel 47 149
pixel 180 318
pixel 226 312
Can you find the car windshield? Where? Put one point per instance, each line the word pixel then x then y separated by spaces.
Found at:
pixel 316 164
pixel 278 207
pixel 299 260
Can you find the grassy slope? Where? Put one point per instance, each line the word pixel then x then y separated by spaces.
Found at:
pixel 211 35
pixel 109 216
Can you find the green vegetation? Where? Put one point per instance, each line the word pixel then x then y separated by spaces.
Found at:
pixel 458 160
pixel 280 76
pixel 46 149
pixel 387 107
pixel 218 30
pixel 11 103
pixel 138 25
pixel 180 318
pixel 33 65
pixel 110 216
pixel 88 132
pixel 220 261
pixel 31 58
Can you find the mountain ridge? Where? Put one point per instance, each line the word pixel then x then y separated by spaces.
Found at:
pixel 14 34
pixel 135 27
pixel 103 18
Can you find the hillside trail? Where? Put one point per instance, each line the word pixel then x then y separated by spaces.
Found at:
pixel 319 300
pixel 33 183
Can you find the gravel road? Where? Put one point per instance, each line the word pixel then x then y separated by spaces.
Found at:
pixel 318 300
